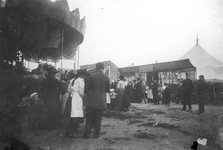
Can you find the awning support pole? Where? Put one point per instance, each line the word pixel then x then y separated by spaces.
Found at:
pixel 62 38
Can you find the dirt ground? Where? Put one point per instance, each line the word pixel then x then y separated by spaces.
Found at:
pixel 143 127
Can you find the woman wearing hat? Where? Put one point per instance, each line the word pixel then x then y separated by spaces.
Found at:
pixel 50 93
pixel 77 110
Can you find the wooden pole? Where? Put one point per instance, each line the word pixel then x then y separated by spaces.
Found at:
pixel 78 67
pixel 75 60
pixel 62 38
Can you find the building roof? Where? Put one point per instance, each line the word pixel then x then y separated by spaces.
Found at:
pixel 174 66
pixel 93 66
pixel 184 64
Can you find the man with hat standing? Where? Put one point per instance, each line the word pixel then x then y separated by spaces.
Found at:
pixel 97 84
pixel 201 90
pixel 187 87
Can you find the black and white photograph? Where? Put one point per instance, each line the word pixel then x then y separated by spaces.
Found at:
pixel 111 74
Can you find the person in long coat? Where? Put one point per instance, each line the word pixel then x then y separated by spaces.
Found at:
pixel 201 91
pixel 126 102
pixel 133 92
pixel 187 88
pixel 76 109
pixel 139 90
pixel 120 90
pixel 155 92
pixel 50 93
pixel 96 87
pixel 167 95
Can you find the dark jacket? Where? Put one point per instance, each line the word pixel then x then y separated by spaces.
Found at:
pixel 138 86
pixel 201 87
pixel 167 93
pixel 187 86
pixel 114 86
pixel 155 88
pixel 96 87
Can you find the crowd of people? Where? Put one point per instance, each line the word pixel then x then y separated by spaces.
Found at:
pixel 123 93
pixel 87 94
pixel 65 103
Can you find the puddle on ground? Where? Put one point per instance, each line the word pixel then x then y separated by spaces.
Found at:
pixel 106 125
pixel 156 112
pixel 134 121
pixel 116 115
pixel 145 135
pixel 113 140
pixel 165 126
pixel 122 116
pixel 162 125
pixel 169 109
pixel 105 149
pixel 175 117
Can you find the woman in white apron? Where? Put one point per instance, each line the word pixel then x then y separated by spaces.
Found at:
pixel 77 110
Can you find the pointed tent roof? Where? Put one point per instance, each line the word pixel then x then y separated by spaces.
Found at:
pixel 200 57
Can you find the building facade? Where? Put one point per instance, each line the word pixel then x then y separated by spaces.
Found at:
pixel 111 70
pixel 166 72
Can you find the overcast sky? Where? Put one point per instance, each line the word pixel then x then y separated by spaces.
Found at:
pixel 143 31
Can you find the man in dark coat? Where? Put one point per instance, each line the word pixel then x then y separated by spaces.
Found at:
pixel 96 87
pixel 139 90
pixel 167 95
pixel 133 92
pixel 201 90
pixel 187 88
pixel 155 92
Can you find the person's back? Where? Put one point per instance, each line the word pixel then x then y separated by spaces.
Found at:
pixel 167 96
pixel 96 87
pixel 139 87
pixel 155 87
pixel 167 92
pixel 187 85
pixel 201 91
pixel 187 88
pixel 201 87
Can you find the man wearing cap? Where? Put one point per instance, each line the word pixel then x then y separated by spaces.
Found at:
pixel 201 90
pixel 97 84
pixel 187 87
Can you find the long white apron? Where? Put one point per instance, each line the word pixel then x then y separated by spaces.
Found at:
pixel 77 109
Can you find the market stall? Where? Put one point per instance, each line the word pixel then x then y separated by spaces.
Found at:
pixel 169 72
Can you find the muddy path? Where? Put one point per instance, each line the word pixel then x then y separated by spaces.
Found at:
pixel 143 127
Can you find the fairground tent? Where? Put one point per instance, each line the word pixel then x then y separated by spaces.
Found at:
pixel 39 30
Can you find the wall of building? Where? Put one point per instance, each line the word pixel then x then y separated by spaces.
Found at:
pixel 111 70
pixel 114 71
